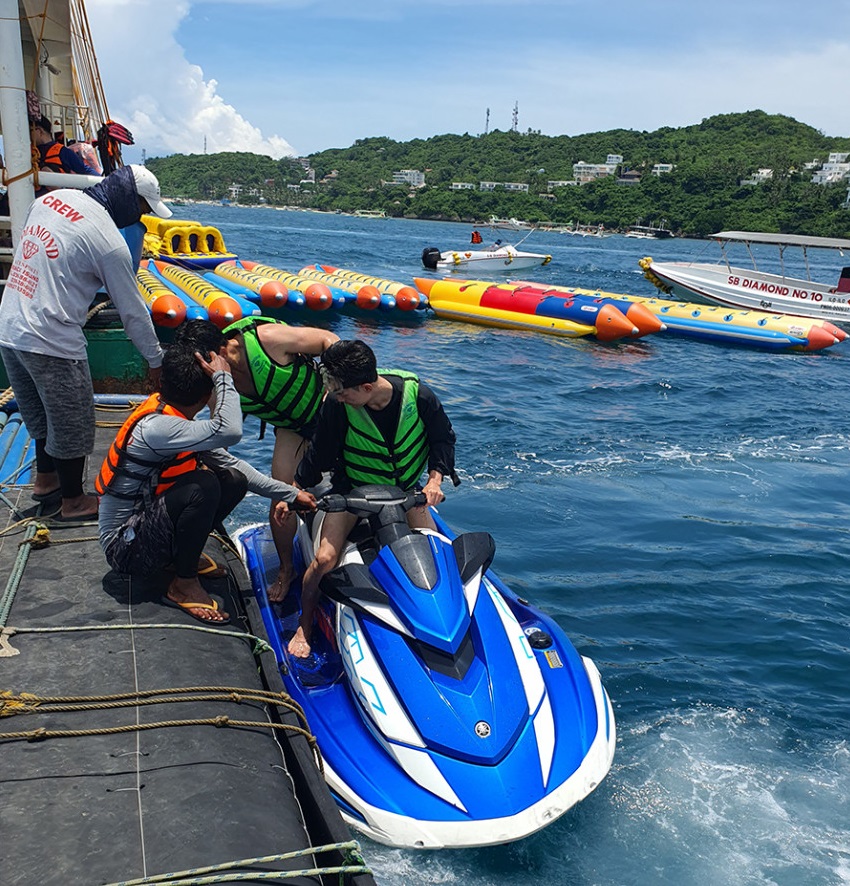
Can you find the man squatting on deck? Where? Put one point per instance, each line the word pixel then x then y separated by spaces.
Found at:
pixel 168 480
pixel 70 247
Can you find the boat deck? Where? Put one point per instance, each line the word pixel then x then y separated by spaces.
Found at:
pixel 166 745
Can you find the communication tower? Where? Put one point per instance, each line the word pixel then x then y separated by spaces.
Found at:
pixel 487 122
pixel 515 117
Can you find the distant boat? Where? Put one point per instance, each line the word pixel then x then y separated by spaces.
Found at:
pixel 501 257
pixel 370 213
pixel 753 288
pixel 510 224
pixel 649 232
pixel 587 231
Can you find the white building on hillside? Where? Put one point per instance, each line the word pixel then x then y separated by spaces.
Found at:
pixel 758 177
pixel 835 169
pixel 412 177
pixel 588 172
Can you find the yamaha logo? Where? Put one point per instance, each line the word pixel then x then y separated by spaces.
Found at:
pixel 482 729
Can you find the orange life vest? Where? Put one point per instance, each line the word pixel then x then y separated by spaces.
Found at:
pixel 52 160
pixel 118 461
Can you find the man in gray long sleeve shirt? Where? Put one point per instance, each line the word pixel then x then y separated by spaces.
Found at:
pixel 168 480
pixel 70 247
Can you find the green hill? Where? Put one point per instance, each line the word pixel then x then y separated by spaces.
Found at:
pixel 701 195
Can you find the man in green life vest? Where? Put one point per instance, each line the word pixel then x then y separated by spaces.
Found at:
pixel 387 428
pixel 278 380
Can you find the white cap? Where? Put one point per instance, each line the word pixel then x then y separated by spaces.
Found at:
pixel 147 186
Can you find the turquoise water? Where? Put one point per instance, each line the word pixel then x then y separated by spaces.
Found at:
pixel 681 508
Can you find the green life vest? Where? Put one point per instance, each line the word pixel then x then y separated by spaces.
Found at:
pixel 368 458
pixel 287 396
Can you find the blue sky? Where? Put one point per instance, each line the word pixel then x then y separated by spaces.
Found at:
pixel 299 76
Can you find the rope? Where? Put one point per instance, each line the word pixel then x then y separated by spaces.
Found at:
pixel 97 309
pixel 13 705
pixel 354 864
pixel 6 396
pixel 25 703
pixel 260 645
pixel 15 580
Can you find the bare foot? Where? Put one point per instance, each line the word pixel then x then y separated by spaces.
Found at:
pixel 280 587
pixel 185 591
pixel 298 645
pixel 45 484
pixel 81 506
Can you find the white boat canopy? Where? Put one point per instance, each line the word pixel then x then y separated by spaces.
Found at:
pixel 782 240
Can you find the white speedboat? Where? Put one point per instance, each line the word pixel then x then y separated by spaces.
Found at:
pixel 754 288
pixel 493 258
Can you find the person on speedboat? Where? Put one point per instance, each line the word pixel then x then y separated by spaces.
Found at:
pixel 168 480
pixel 386 428
pixel 278 382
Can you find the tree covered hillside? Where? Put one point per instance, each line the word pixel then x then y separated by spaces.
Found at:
pixel 702 194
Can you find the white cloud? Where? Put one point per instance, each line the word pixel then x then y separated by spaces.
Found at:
pixel 157 94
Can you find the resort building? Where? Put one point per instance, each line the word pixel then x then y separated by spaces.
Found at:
pixel 463 186
pixel 412 177
pixel 758 177
pixel 660 168
pixel 588 172
pixel 488 186
pixel 835 169
pixel 629 177
pixel 516 186
pixel 560 184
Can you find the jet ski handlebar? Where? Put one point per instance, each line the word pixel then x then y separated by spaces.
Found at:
pixel 367 501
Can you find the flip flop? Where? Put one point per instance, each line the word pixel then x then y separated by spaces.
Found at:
pixel 212 569
pixel 46 496
pixel 77 519
pixel 187 607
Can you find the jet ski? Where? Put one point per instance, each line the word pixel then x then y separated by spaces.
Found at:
pixel 449 712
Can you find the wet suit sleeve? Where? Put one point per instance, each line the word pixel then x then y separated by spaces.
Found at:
pixel 324 452
pixel 441 435
pixel 258 483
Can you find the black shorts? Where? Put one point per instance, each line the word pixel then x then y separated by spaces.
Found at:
pixel 145 543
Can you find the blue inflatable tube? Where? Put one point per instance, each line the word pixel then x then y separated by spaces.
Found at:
pixel 13 439
pixel 232 289
pixel 194 311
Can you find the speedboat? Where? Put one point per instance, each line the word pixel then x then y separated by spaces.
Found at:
pixel 449 712
pixel 750 287
pixel 498 257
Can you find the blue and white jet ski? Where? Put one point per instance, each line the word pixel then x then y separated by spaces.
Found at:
pixel 448 711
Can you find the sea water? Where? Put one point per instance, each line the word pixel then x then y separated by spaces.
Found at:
pixel 683 510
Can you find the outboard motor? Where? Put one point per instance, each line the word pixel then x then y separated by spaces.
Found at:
pixel 430 257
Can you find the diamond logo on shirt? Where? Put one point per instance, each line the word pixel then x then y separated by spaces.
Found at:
pixel 29 249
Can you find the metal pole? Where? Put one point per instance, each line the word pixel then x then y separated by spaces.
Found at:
pixel 13 116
